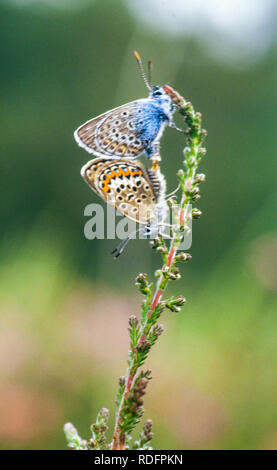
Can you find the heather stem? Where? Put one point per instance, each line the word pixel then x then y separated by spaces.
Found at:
pixel 193 154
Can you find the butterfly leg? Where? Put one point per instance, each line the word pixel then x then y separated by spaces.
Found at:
pixel 168 196
pixel 173 125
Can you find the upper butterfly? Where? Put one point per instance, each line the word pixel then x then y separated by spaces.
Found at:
pixel 131 129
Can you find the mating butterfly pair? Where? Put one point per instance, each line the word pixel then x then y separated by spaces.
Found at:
pixel 117 137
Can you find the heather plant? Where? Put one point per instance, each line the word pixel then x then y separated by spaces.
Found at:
pixel 145 331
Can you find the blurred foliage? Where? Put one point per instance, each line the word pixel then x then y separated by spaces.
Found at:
pixel 64 308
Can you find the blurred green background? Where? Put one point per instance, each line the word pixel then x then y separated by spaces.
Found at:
pixel 64 301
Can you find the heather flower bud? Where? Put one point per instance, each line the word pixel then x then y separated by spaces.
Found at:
pixel 196 213
pixel 142 279
pixel 173 277
pixel 183 257
pixel 156 242
pixel 121 381
pixel 133 321
pixel 158 273
pixel 142 284
pixel 180 301
pixel 158 330
pixel 162 249
pixel 200 178
pixel 175 303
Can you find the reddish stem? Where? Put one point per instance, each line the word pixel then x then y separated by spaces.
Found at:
pixel 119 443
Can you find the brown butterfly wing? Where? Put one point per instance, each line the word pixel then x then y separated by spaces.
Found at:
pixel 85 135
pixel 113 133
pixel 124 185
pixel 89 170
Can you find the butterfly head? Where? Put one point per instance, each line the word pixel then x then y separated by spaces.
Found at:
pixel 158 93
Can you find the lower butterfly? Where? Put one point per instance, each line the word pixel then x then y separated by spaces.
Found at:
pixel 135 191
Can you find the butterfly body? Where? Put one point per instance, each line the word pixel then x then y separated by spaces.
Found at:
pixel 137 192
pixel 129 130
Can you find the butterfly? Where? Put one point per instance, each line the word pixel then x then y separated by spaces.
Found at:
pixel 135 191
pixel 129 130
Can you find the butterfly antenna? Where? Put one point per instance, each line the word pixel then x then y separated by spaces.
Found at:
pixel 120 248
pixel 150 69
pixel 139 61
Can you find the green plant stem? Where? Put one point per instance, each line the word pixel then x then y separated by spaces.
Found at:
pixel 193 154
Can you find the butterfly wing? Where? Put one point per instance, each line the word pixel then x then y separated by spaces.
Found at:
pixel 114 133
pixel 125 185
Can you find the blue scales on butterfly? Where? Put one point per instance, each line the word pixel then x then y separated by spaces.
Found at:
pixel 131 129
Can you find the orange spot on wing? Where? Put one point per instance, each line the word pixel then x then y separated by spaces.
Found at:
pixel 114 174
pixel 136 172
